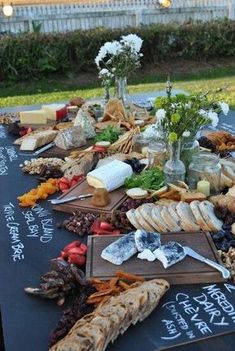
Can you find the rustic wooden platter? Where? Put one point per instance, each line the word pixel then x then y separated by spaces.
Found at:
pixel 187 271
pixel 61 153
pixel 117 197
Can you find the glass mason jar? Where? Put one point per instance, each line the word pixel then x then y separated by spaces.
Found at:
pixel 174 169
pixel 190 147
pixel 156 154
pixel 121 91
pixel 141 143
pixel 205 166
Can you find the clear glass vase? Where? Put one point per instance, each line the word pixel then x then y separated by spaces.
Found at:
pixel 121 91
pixel 190 147
pixel 174 169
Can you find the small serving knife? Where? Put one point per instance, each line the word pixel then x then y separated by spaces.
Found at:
pixel 225 272
pixel 68 199
pixel 39 151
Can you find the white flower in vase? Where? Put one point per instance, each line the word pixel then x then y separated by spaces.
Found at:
pixel 224 107
pixel 186 134
pixel 213 116
pixel 133 41
pixel 160 114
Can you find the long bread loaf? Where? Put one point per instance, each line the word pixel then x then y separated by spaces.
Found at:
pixel 94 331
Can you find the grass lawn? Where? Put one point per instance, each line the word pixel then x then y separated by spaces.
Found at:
pixel 63 88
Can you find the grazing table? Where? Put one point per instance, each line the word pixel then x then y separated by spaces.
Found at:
pixel 189 317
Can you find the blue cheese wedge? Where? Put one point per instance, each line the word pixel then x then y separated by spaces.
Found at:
pixel 170 253
pixel 120 250
pixel 146 240
pixel 147 254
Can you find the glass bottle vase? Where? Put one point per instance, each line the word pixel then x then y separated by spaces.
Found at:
pixel 190 147
pixel 121 91
pixel 174 169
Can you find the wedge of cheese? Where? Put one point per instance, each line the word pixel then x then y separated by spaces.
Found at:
pixel 110 176
pixel 33 142
pixel 55 112
pixel 33 117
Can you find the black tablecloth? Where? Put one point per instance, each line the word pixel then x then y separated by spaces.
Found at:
pixel 29 239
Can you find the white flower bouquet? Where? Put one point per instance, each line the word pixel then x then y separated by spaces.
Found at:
pixel 120 58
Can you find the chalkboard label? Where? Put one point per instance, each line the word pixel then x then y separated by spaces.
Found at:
pixel 191 315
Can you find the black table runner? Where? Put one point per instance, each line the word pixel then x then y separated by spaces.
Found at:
pixel 29 239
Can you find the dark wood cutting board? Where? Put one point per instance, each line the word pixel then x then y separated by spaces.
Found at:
pixel 117 197
pixel 187 271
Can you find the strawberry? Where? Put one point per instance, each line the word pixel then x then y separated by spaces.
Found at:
pixel 106 226
pixel 73 182
pixel 63 186
pixel 99 148
pixel 95 226
pixel 76 250
pixel 77 259
pixel 64 180
pixel 84 248
pixel 64 252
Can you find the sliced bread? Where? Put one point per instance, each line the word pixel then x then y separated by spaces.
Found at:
pixel 142 220
pixel 156 215
pixel 145 211
pixel 188 221
pixel 173 212
pixel 132 219
pixel 171 223
pixel 194 205
pixel 207 211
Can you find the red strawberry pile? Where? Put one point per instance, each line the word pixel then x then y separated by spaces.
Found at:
pixel 65 184
pixel 100 227
pixel 75 253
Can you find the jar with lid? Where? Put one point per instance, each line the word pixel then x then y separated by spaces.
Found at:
pixel 156 154
pixel 205 166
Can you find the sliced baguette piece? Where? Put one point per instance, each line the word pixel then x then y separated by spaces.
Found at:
pixel 137 193
pixel 132 219
pixel 173 212
pixel 194 205
pixel 207 211
pixel 141 217
pixel 171 223
pixel 145 211
pixel 156 215
pixel 188 221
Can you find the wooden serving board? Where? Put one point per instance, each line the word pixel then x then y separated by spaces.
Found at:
pixel 61 153
pixel 187 271
pixel 117 197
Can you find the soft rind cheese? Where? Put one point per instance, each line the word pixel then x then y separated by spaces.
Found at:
pixel 55 111
pixel 147 240
pixel 110 176
pixel 170 253
pixel 32 142
pixel 33 117
pixel 120 250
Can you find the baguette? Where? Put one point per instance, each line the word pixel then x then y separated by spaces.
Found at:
pixel 96 330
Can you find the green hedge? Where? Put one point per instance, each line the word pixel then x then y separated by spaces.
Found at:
pixel 29 55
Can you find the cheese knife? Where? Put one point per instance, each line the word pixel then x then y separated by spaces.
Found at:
pixel 225 272
pixel 68 199
pixel 38 152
